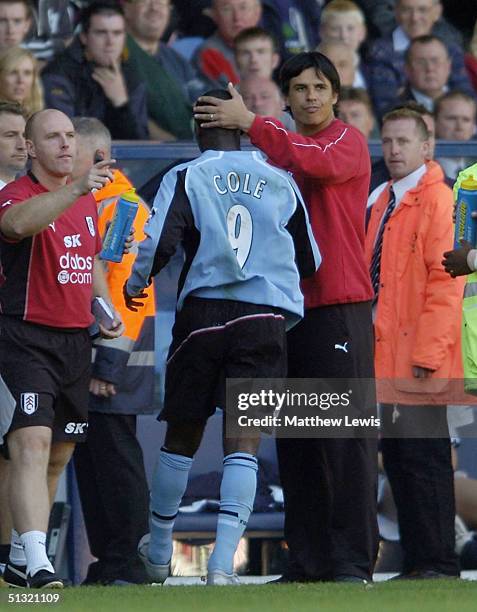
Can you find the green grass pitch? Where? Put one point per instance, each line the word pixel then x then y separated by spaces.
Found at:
pixel 423 596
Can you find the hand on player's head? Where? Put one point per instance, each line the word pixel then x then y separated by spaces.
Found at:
pixel 231 114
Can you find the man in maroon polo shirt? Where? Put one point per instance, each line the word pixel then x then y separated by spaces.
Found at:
pixel 329 484
pixel 48 275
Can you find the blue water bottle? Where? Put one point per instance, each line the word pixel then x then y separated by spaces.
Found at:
pixel 120 227
pixel 465 224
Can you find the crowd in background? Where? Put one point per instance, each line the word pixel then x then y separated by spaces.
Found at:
pixel 138 65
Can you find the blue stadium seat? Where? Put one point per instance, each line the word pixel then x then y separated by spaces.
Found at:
pixel 186 46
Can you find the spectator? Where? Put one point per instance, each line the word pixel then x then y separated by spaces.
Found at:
pixel 255 53
pixel 381 17
pixel 356 109
pixel 455 114
pixel 294 24
pixel 13 158
pixel 19 79
pixel 215 337
pixel 379 171
pixel 342 58
pixel 171 82
pixel 386 55
pixel 109 465
pixel 15 22
pixel 45 347
pixel 330 162
pixel 262 97
pixel 53 28
pixel 417 333
pixel 13 155
pixel 343 21
pixel 215 57
pixel 89 78
pixel 428 69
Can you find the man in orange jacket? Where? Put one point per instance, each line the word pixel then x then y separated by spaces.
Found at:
pixel 109 465
pixel 417 329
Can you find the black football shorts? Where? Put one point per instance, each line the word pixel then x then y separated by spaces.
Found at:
pixel 48 372
pixel 213 340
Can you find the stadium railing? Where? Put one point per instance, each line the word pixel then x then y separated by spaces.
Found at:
pixel 142 160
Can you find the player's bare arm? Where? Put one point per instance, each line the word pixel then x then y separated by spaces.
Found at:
pixel 35 214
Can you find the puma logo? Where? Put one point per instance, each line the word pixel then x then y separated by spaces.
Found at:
pixel 342 347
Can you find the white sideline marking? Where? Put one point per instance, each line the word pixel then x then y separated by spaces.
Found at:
pixel 195 580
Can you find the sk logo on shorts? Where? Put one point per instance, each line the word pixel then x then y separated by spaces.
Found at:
pixel 29 402
pixel 90 224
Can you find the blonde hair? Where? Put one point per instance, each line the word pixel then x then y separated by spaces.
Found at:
pixel 9 60
pixel 408 113
pixel 338 7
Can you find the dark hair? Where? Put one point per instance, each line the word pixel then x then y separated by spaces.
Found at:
pixel 222 94
pixel 252 34
pixel 310 59
pixel 29 126
pixel 101 7
pixel 356 94
pixel 12 108
pixel 452 95
pixel 213 136
pixel 407 113
pixel 425 39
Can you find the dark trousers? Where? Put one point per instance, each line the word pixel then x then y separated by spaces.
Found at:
pixel 114 497
pixel 330 485
pixel 422 481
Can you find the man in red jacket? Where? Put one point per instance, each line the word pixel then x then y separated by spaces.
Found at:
pixel 329 484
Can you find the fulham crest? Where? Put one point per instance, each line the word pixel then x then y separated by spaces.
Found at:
pixel 29 402
pixel 90 224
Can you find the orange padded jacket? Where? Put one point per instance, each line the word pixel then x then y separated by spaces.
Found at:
pixel 418 315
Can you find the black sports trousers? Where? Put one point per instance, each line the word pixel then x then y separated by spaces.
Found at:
pixel 330 485
pixel 422 481
pixel 114 496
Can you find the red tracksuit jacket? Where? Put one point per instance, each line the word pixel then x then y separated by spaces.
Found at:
pixel 332 169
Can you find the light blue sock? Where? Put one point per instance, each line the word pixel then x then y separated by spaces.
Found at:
pixel 237 493
pixel 168 486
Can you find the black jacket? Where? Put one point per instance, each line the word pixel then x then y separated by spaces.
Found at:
pixel 69 87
